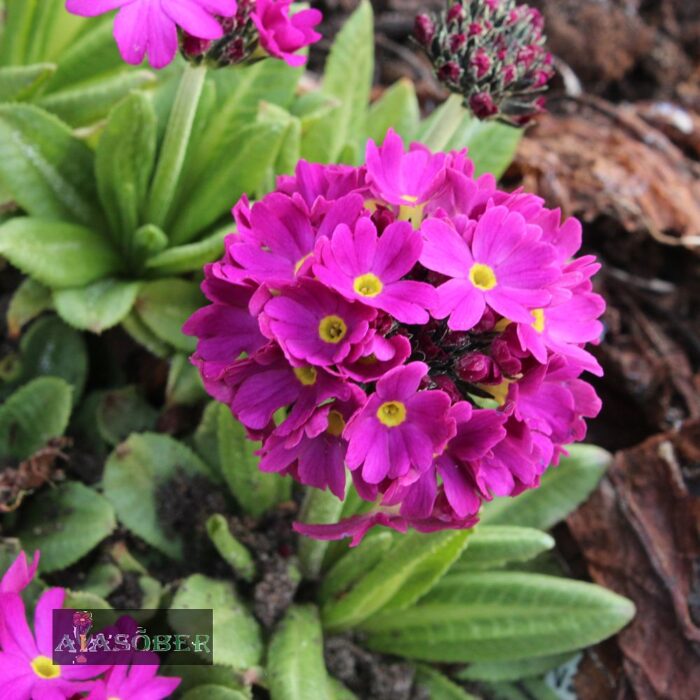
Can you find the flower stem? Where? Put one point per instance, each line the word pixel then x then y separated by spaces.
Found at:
pixel 175 143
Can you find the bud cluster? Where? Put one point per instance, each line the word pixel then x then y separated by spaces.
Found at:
pixel 491 52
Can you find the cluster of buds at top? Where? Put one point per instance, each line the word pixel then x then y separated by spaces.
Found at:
pixel 491 52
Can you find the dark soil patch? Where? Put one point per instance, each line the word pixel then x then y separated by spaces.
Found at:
pixel 129 595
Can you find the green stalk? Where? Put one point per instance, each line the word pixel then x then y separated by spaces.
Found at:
pixel 175 143
pixel 443 128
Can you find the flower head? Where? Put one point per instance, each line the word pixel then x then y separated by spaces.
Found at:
pixel 408 322
pixel 492 53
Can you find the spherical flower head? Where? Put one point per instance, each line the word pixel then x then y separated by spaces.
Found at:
pixel 491 53
pixel 282 34
pixel 150 27
pixel 406 321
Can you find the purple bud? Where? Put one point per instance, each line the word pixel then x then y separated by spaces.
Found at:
pixel 475 29
pixel 482 105
pixel 481 63
pixel 457 41
pixel 450 72
pixel 193 46
pixel 474 368
pixel 444 383
pixel 424 30
pixel 503 356
pixel 509 74
pixel 455 13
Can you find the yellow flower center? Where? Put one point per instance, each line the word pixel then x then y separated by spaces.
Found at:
pixel 392 413
pixel 502 325
pixel 368 285
pixel 498 391
pixel 410 198
pixel 336 424
pixel 45 668
pixel 414 215
pixel 482 277
pixel 297 267
pixel 306 375
pixel 538 323
pixel 332 329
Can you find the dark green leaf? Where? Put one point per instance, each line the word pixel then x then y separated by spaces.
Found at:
pixel 184 385
pixel 65 523
pixel 122 412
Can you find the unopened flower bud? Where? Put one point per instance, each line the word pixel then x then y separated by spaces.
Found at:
pixel 424 30
pixel 482 105
pixel 474 368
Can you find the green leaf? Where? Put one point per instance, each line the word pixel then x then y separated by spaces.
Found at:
pixel 493 546
pixel 338 691
pixel 408 571
pixel 184 385
pixel 190 257
pixel 92 53
pixel 19 21
pixel 209 691
pixel 57 254
pixel 85 600
pixel 165 305
pixel 30 300
pixel 562 490
pixel 290 143
pixel 133 475
pixel 146 241
pixel 491 145
pixel 511 670
pixel 318 138
pixel 237 637
pixel 50 347
pixel 124 163
pixel 322 507
pixel 65 523
pixel 233 171
pixel 437 130
pixel 144 336
pixel 440 687
pixel 205 440
pixel 348 77
pixel 87 103
pixel 21 82
pixel 34 414
pixel 498 616
pixel 397 109
pixel 255 491
pixel 295 667
pixel 47 170
pixel 354 565
pixel 235 554
pixel 529 689
pixel 122 412
pixel 97 307
pixel 194 677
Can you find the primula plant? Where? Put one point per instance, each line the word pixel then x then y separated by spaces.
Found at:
pixel 396 348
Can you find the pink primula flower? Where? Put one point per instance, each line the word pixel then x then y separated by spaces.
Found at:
pixel 149 27
pixel 20 574
pixel 135 682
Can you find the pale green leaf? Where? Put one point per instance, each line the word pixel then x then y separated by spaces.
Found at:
pixel 21 82
pixel 562 490
pixel 396 109
pixel 498 616
pixel 98 306
pixel 47 170
pixel 493 546
pixel 57 254
pixel 30 300
pixel 295 666
pixel 144 336
pixel 80 518
pixel 255 491
pixel 133 475
pixel 235 554
pixel 439 686
pixel 165 305
pixel 34 414
pixel 511 670
pixel 124 163
pixel 189 257
pixel 237 636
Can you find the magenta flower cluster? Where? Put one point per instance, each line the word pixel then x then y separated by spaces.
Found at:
pixel 27 671
pixel 232 28
pixel 406 321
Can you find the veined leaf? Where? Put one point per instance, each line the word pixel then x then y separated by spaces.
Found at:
pixel 34 414
pixel 563 488
pixel 47 170
pixel 133 474
pixel 439 686
pixel 21 82
pixel 348 77
pixel 29 300
pixel 408 571
pixel 189 257
pixel 511 670
pixel 238 640
pixel 255 491
pixel 98 306
pixel 124 163
pixel 143 335
pixel 16 38
pixel 498 616
pixel 397 108
pixel 122 412
pixel 57 254
pixel 80 519
pixel 492 546
pixel 165 305
pixel 87 103
pixel 295 667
